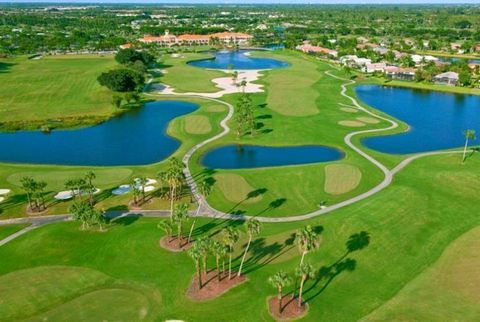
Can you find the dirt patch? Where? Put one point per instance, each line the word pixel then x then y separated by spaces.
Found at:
pixel 351 123
pixel 349 110
pixel 174 244
pixel 36 212
pixel 212 287
pixel 290 308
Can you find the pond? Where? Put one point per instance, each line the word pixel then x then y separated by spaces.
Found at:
pixel 238 59
pixel 252 156
pixel 136 137
pixel 437 120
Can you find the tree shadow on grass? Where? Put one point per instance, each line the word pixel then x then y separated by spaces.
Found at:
pixel 251 195
pixel 126 220
pixel 355 242
pixel 6 66
pixel 274 205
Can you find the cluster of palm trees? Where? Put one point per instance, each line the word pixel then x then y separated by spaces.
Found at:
pixel 86 213
pixel 177 219
pixel 82 187
pixel 221 250
pixel 35 191
pixel 307 240
pixel 174 178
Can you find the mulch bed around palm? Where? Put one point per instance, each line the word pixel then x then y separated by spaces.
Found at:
pixel 290 311
pixel 174 244
pixel 211 287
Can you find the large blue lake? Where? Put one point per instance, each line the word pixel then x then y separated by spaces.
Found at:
pixel 238 59
pixel 437 120
pixel 134 138
pixel 251 156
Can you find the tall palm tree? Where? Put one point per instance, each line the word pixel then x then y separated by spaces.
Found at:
pixel 173 176
pixel 196 255
pixel 304 272
pixel 40 192
pixel 141 183
pixel 89 177
pixel 204 187
pixel 204 246
pixel 167 227
pixel 219 251
pixel 307 240
pixel 180 214
pixel 230 238
pixel 136 191
pixel 253 228
pixel 28 185
pixel 280 280
pixel 469 135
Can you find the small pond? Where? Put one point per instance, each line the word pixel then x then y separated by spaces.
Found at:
pixel 437 120
pixel 251 156
pixel 136 137
pixel 238 59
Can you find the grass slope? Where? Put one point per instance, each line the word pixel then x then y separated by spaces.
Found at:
pixel 56 87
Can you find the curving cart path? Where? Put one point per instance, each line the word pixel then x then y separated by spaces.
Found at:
pixel 205 210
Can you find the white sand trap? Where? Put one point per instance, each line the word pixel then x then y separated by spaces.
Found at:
pixel 175 55
pixel 351 123
pixel 4 191
pixel 149 181
pixel 123 189
pixel 369 120
pixel 349 110
pixel 2 199
pixel 149 188
pixel 67 194
pixel 226 84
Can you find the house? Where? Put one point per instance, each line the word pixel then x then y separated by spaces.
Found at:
pixel 476 48
pixel 353 60
pixel 448 78
pixel 309 49
pixel 394 72
pixel 232 37
pixel 380 50
pixel 375 67
pixel 165 40
pixel 126 46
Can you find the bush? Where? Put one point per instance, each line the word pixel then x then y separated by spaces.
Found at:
pixel 122 80
pixel 130 56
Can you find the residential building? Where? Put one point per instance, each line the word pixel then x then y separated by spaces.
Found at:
pixel 394 72
pixel 375 67
pixel 309 49
pixel 189 39
pixel 354 61
pixel 448 78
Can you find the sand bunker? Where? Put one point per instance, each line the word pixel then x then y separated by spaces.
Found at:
pixel 368 120
pixel 4 192
pixel 349 110
pixel 68 194
pixel 226 84
pixel 351 123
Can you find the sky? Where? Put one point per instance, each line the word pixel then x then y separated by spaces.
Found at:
pixel 254 1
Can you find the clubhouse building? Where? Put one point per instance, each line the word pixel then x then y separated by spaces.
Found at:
pixel 167 40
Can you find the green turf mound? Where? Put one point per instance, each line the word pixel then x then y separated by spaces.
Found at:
pixel 102 305
pixel 27 292
pixel 197 124
pixel 341 178
pixel 235 188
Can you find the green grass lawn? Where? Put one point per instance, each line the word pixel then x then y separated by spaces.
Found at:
pixel 410 224
pixel 185 78
pixel 34 92
pixel 7 230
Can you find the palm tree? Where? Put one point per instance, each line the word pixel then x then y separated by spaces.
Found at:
pixel 234 77
pixel 136 191
pixel 196 254
pixel 205 189
pixel 39 192
pixel 469 135
pixel 306 240
pixel 180 214
pixel 141 183
pixel 219 251
pixel 89 177
pixel 204 246
pixel 253 228
pixel 28 185
pixel 230 238
pixel 167 227
pixel 280 280
pixel 173 176
pixel 304 272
